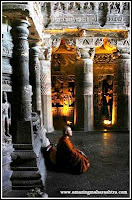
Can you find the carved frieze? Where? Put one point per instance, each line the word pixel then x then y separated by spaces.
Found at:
pixel 54 15
pixel 113 41
pixel 124 47
pixel 126 13
pixel 102 13
pixel 92 13
pixel 98 41
pixel 6 82
pixel 114 15
pixel 71 42
pixel 7 48
pixel 114 7
pixel 105 58
pixel 85 42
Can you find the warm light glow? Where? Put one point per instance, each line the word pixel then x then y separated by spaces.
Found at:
pixel 69 123
pixel 114 110
pixel 78 30
pixel 65 110
pixel 105 130
pixel 113 113
pixel 108 30
pixel 107 122
pixel 65 30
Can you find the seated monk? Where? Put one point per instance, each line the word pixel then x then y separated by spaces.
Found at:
pixel 69 158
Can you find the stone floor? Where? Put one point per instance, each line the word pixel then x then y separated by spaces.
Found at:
pixel 109 171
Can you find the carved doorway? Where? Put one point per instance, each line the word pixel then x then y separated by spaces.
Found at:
pixel 105 73
pixel 63 86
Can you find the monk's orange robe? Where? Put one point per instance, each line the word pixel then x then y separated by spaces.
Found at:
pixel 69 158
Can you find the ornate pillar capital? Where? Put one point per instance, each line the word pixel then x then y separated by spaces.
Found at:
pixel 45 53
pixel 87 53
pixel 35 48
pixel 85 48
pixel 124 48
pixel 20 29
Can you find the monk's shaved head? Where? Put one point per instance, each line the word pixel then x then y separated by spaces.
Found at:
pixel 65 129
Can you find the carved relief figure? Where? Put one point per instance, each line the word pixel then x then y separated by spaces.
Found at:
pixel 56 63
pixel 6 117
pixel 126 6
pixel 88 6
pixel 115 7
pixel 107 97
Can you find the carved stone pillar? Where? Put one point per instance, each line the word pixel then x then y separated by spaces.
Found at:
pixel 25 169
pixel 35 78
pixel 45 63
pixel 123 92
pixel 86 56
pixel 79 98
pixel 20 82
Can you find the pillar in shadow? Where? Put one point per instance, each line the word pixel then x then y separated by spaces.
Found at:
pixel 26 174
pixel 35 77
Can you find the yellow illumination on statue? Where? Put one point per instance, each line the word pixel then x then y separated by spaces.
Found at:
pixel 107 122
